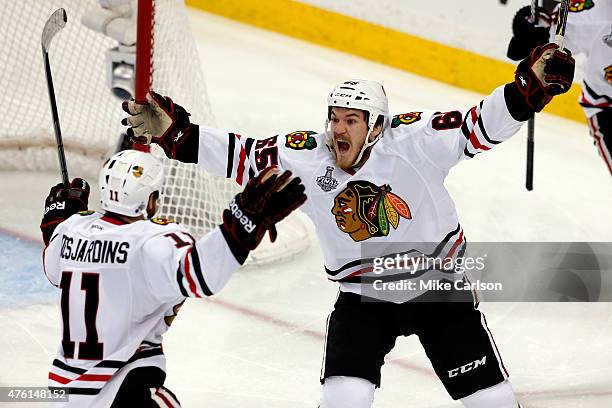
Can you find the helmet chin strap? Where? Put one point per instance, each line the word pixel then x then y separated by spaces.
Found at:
pixel 366 145
pixel 329 139
pixel 330 142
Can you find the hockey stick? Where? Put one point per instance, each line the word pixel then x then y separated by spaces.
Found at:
pixel 531 122
pixel 54 24
pixel 559 34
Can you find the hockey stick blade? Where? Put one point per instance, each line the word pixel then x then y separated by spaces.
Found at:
pixel 54 24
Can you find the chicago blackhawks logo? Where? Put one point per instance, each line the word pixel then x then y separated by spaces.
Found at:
pixel 405 119
pixel 137 171
pixel 301 140
pixel 608 74
pixel 161 221
pixel 364 210
pixel 576 6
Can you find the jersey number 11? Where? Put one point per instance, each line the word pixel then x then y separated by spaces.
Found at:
pixel 89 349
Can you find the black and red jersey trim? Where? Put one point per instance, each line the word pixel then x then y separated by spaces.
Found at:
pixel 231 145
pixel 367 261
pixel 179 280
pixel 248 145
pixel 195 262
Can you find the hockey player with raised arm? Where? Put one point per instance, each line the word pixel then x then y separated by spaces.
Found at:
pixel 373 180
pixel 588 32
pixel 123 274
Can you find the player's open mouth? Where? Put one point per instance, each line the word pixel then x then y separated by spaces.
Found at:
pixel 343 146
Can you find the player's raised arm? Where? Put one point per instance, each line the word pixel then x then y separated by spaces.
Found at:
pixel 219 152
pixel 456 135
pixel 199 268
pixel 63 201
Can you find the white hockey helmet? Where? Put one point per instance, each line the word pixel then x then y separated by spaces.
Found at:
pixel 127 180
pixel 368 96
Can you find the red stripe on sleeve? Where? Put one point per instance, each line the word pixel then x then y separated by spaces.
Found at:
pixel 476 143
pixel 163 398
pixel 192 285
pixel 473 139
pixel 58 378
pixel 94 377
pixel 474 115
pixel 241 161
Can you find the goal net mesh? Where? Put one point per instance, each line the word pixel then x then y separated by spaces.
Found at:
pixel 90 114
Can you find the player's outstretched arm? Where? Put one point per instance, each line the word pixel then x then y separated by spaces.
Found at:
pixel 201 268
pixel 222 153
pixel 456 135
pixel 62 202
pixel 267 199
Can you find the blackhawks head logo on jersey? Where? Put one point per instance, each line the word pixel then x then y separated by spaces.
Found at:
pixel 608 74
pixel 364 210
pixel 576 6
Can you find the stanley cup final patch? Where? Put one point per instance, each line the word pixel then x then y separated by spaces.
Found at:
pixel 327 182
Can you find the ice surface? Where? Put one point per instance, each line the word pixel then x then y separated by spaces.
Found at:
pixel 260 342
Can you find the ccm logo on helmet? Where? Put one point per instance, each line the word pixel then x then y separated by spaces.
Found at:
pixel 467 367
pixel 249 225
pixel 56 206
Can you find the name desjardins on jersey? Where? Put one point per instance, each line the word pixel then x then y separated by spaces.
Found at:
pixel 94 251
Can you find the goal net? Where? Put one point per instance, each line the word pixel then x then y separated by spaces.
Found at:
pixel 90 114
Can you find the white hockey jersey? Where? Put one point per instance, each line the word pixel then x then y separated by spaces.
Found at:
pixel 397 196
pixel 121 286
pixel 589 32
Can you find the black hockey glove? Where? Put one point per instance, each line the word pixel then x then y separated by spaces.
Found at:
pixel 545 73
pixel 526 35
pixel 63 201
pixel 163 122
pixel 266 200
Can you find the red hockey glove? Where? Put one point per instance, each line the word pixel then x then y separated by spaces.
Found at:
pixel 545 73
pixel 163 122
pixel 266 200
pixel 62 202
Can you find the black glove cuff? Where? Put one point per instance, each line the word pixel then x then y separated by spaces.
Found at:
pixel 238 250
pixel 187 151
pixel 516 103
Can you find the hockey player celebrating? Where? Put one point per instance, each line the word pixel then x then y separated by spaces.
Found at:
pixel 373 180
pixel 589 32
pixel 123 275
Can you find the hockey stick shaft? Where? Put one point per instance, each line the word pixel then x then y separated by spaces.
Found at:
pixel 561 23
pixel 54 24
pixel 531 122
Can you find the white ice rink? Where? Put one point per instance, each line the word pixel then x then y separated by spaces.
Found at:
pixel 260 342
